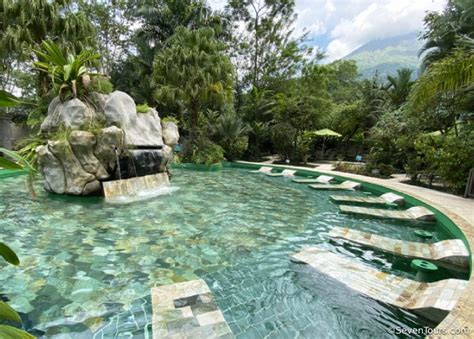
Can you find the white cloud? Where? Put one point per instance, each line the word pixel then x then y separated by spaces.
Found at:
pixel 380 19
pixel 345 25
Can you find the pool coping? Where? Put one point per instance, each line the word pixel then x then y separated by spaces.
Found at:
pixel 462 316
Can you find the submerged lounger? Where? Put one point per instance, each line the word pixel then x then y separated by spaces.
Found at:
pixel 322 179
pixel 346 185
pixel 384 199
pixel 285 173
pixel 263 169
pixel 447 253
pixel 412 214
pixel 187 310
pixel 431 300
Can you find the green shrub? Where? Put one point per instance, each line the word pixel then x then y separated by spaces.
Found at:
pixel 143 108
pixel 101 84
pixel 386 170
pixel 204 151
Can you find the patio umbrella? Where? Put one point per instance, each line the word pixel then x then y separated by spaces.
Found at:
pixel 324 133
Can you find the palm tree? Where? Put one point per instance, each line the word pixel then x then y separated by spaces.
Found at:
pixel 443 29
pixel 399 86
pixel 451 75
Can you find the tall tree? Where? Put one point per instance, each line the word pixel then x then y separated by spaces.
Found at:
pixel 112 25
pixel 194 73
pixel 159 20
pixel 267 47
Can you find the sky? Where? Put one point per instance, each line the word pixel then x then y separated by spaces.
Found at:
pixel 341 26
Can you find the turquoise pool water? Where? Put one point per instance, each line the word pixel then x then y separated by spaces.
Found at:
pixel 87 266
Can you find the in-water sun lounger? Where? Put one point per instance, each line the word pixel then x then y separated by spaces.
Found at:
pixel 417 213
pixel 346 185
pixel 431 300
pixel 384 199
pixel 322 179
pixel 285 173
pixel 450 253
pixel 263 169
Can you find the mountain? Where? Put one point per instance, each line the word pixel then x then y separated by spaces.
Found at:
pixel 387 55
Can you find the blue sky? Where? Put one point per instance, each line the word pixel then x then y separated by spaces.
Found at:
pixel 341 26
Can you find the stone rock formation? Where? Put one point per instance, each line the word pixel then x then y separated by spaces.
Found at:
pixel 129 144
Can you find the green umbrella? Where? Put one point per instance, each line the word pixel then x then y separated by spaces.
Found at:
pixel 325 132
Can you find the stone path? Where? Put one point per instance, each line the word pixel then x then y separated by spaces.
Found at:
pixel 431 300
pixel 187 310
pixel 417 213
pixel 447 253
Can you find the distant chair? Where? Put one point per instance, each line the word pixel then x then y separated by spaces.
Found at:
pixel 263 169
pixel 285 173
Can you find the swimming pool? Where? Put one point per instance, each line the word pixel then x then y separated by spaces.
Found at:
pixel 87 266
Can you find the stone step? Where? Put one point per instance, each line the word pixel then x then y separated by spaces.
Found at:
pixel 387 199
pixel 447 253
pixel 187 310
pixel 417 213
pixel 431 300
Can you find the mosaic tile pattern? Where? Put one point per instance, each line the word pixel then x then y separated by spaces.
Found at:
pixel 447 253
pixel 187 310
pixel 384 199
pixel 417 213
pixel 344 186
pixel 432 300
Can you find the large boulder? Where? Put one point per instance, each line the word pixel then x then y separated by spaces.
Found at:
pixel 52 170
pixel 110 145
pixel 170 133
pixel 83 143
pixel 72 114
pixel 75 176
pixel 141 129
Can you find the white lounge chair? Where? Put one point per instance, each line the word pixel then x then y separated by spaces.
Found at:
pixel 263 169
pixel 285 173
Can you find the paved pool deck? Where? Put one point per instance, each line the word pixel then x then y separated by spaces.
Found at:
pixel 458 209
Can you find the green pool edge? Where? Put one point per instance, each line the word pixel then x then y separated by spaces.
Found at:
pixel 447 224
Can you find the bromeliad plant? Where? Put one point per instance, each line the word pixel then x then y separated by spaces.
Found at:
pixel 69 73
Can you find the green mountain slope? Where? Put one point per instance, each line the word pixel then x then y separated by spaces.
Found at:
pixel 387 55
